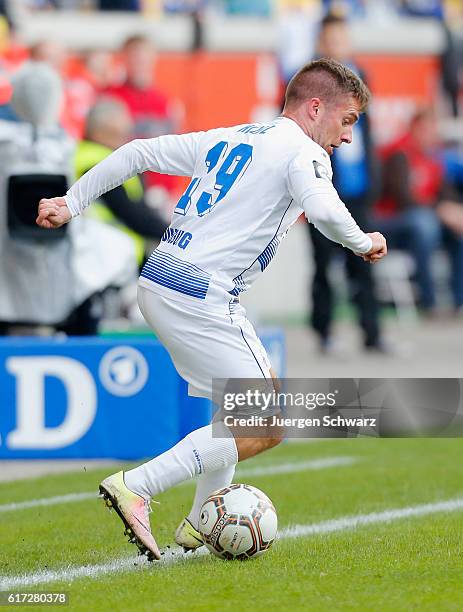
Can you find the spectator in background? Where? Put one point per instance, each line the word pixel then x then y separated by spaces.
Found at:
pixel 354 176
pixel 152 111
pixel 98 69
pixel 51 52
pixel 415 209
pixel 451 216
pixel 79 94
pixel 297 32
pixel 108 126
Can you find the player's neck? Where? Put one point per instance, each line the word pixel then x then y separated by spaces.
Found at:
pixel 298 120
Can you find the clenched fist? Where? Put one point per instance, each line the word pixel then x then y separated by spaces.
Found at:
pixel 52 213
pixel 378 249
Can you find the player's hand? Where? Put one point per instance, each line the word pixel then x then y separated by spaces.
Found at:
pixel 52 213
pixel 378 249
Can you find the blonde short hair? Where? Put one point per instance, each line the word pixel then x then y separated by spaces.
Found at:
pixel 328 80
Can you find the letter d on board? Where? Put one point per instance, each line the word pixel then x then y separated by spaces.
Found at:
pixel 30 373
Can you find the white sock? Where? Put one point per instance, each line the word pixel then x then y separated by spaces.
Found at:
pixel 198 453
pixel 207 484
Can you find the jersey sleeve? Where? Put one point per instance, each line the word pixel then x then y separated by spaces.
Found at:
pixel 166 154
pixel 310 184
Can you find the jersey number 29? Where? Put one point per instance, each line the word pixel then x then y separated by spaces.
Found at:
pixel 232 168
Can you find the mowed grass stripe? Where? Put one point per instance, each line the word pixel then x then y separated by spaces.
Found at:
pixel 171 557
pixel 268 470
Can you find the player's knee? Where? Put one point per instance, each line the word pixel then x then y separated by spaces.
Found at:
pixel 257 446
pixel 271 442
pixel 274 437
pixel 249 447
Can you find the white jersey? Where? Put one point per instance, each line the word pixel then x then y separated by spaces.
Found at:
pixel 249 184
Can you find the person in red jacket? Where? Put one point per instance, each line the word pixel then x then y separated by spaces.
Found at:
pixel 412 187
pixel 153 113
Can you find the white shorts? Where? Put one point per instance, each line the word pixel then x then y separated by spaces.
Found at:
pixel 204 344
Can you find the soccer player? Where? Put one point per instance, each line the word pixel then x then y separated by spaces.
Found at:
pixel 249 184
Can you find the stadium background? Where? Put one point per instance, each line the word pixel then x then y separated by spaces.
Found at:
pixel 223 63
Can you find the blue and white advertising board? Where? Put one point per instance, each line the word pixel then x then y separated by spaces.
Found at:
pixel 97 397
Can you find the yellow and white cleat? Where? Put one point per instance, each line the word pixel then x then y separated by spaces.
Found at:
pixel 134 512
pixel 187 536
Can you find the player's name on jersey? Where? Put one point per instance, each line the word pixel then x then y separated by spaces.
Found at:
pixel 256 129
pixel 177 237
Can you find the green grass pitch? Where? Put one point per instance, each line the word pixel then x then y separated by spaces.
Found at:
pixel 405 563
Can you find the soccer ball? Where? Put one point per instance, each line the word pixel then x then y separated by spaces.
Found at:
pixel 238 522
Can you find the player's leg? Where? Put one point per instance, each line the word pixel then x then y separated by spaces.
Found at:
pixel 245 357
pixel 203 451
pixel 203 346
pixel 129 493
pixel 187 534
pixel 200 452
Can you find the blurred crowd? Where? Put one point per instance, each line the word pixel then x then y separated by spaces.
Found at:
pixel 261 8
pixel 410 190
pixel 60 114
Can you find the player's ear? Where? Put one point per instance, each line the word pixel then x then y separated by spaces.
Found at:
pixel 314 108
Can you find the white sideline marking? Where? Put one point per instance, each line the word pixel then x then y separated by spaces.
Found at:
pixel 177 555
pixel 295 466
pixel 281 468
pixel 47 501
